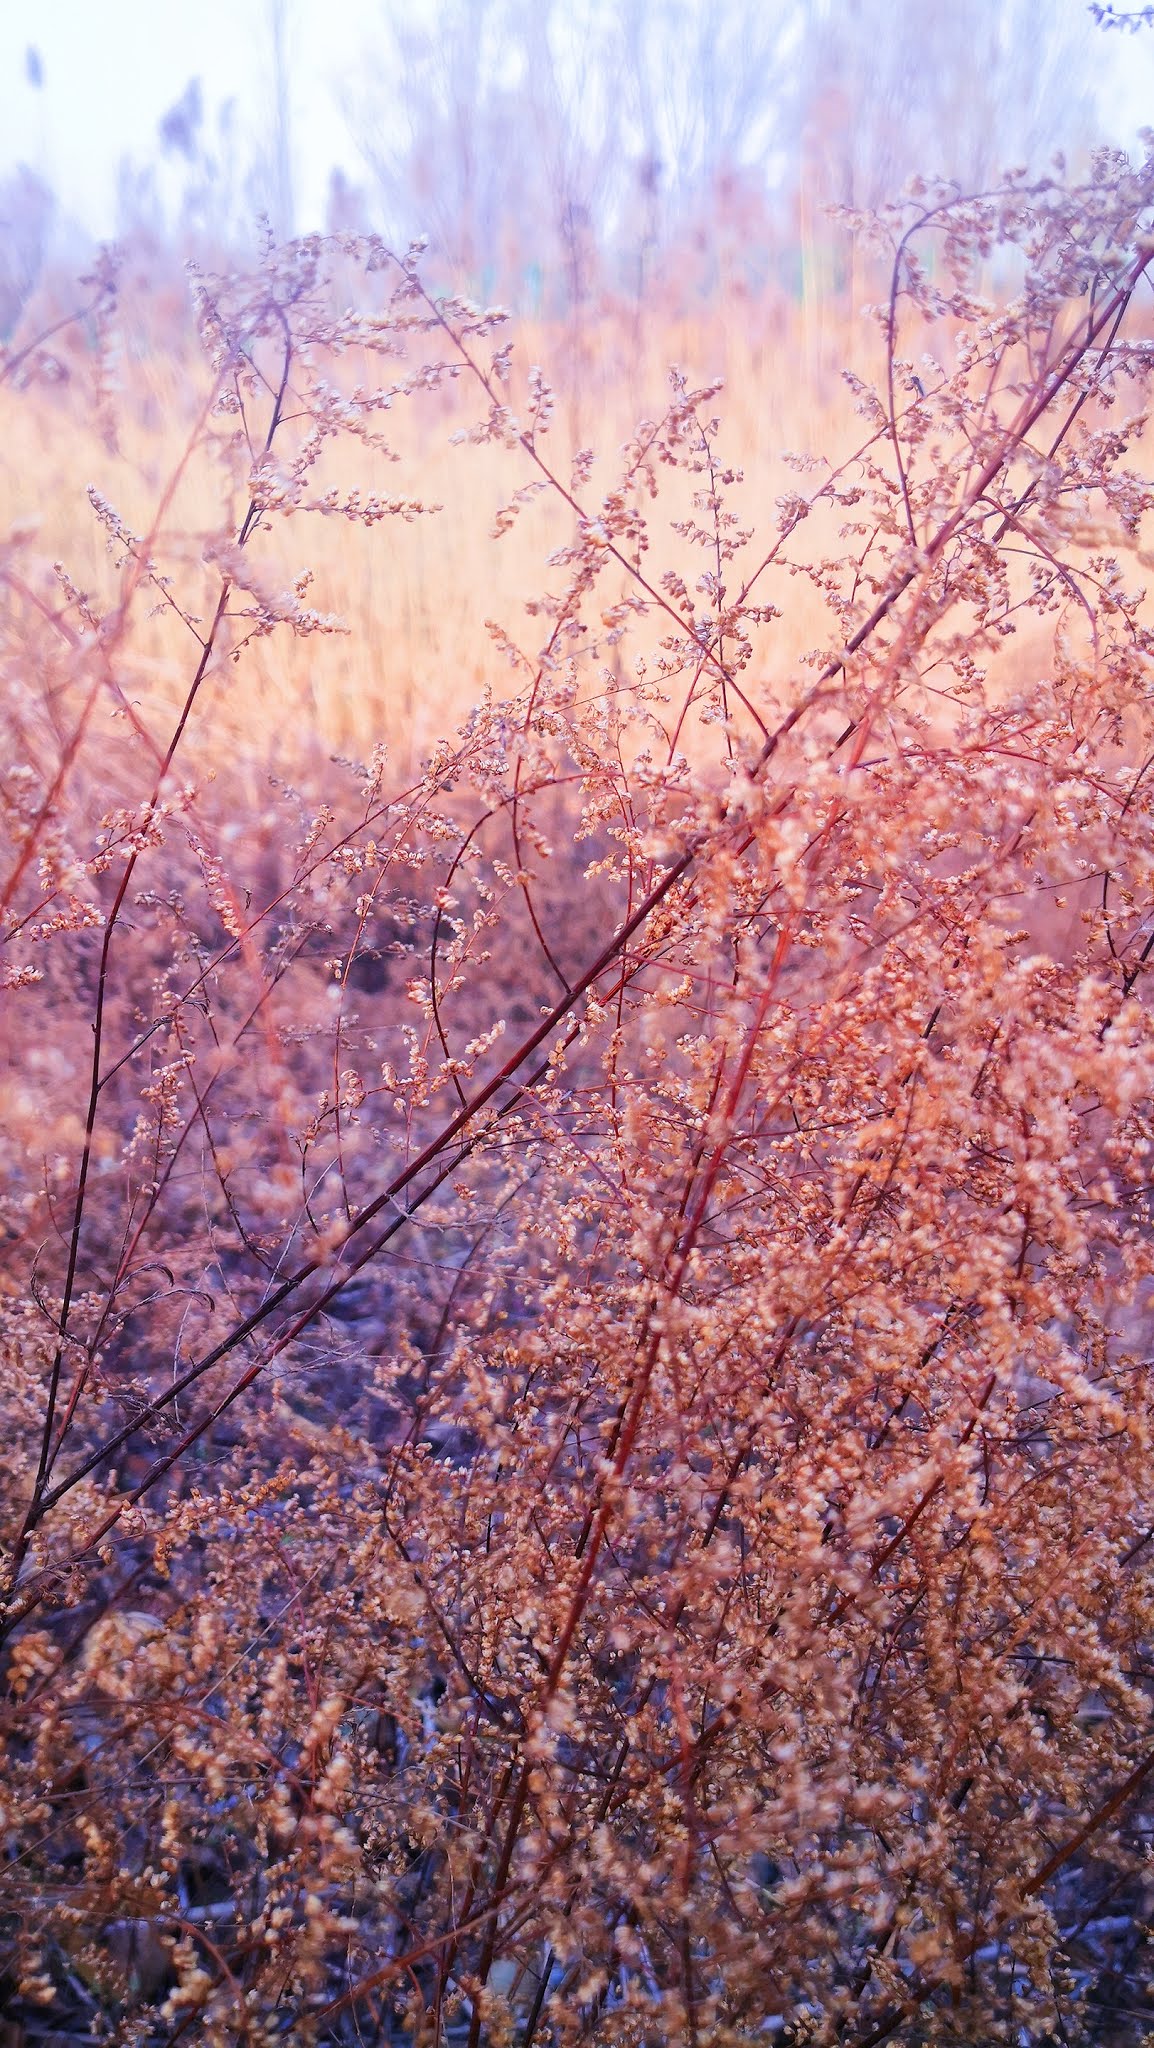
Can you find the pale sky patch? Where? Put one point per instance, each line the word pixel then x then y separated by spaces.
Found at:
pixel 112 68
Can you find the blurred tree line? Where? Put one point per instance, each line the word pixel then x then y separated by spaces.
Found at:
pixel 547 148
pixel 553 152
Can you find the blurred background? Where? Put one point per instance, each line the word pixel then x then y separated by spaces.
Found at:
pixel 641 183
pixel 548 149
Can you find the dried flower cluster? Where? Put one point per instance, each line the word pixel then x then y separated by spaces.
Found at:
pixel 577 1424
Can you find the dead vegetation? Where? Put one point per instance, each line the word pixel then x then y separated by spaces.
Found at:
pixel 576 1409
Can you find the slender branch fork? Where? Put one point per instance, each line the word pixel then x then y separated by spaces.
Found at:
pixel 208 651
pixel 1032 409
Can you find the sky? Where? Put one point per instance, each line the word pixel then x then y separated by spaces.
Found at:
pixel 110 69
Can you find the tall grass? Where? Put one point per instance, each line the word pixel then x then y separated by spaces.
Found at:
pixel 576 1413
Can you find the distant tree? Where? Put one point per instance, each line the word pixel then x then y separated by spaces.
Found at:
pixel 895 87
pixel 529 137
pixel 283 203
pixel 519 133
pixel 27 212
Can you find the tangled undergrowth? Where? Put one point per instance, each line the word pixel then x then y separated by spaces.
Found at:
pixel 576 1410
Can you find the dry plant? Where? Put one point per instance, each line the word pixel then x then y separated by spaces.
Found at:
pixel 576 1432
pixel 413 663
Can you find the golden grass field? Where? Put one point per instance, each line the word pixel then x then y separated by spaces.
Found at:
pixel 413 595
